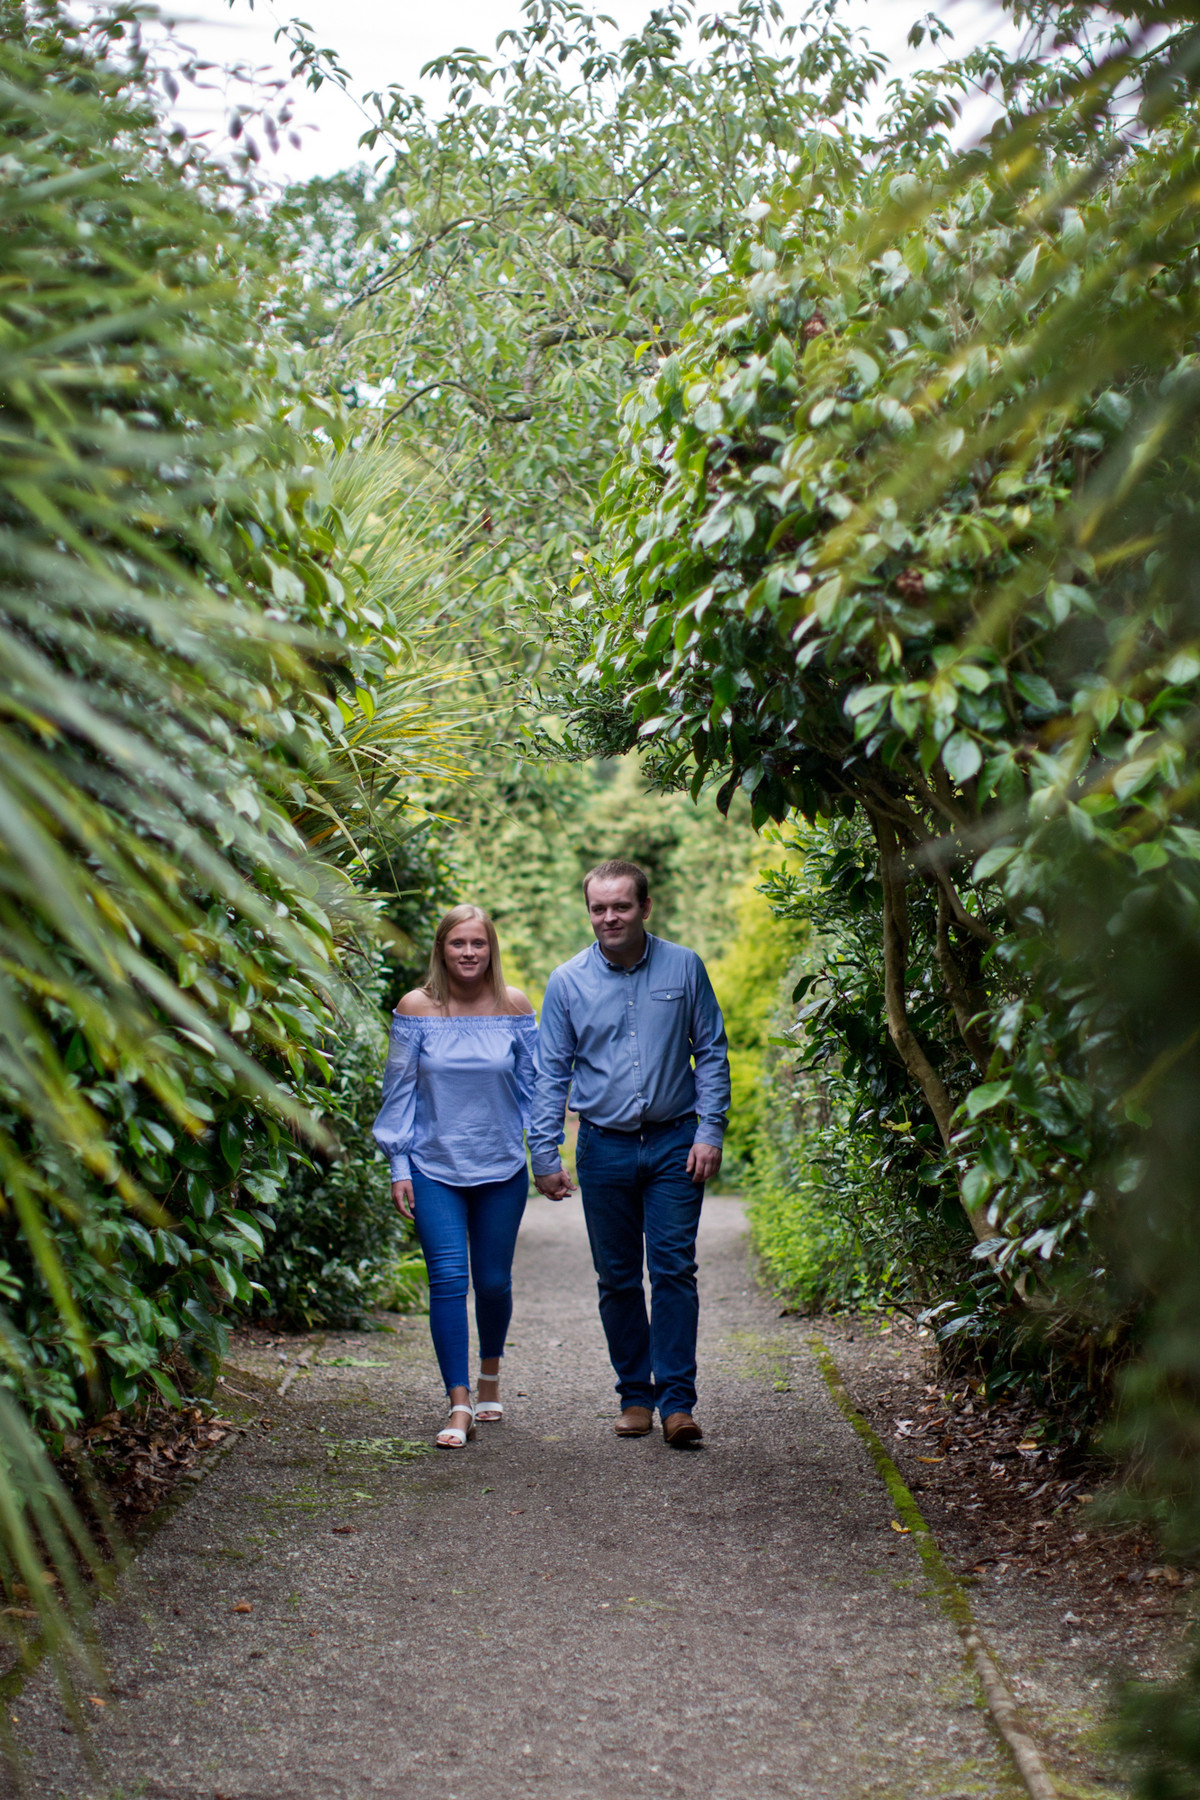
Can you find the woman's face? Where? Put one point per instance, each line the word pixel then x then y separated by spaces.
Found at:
pixel 467 952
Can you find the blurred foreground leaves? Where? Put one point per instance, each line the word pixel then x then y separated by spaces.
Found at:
pixel 212 746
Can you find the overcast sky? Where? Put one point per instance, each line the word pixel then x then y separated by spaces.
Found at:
pixel 386 41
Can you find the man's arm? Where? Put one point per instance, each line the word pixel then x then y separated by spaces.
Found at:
pixel 710 1058
pixel 555 1061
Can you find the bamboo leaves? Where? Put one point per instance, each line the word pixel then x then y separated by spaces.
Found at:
pixel 171 614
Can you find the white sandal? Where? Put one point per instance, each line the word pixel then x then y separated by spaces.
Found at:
pixel 453 1437
pixel 488 1412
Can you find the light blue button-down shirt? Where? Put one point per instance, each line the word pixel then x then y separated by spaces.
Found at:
pixel 631 1047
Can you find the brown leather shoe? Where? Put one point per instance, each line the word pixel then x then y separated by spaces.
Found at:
pixel 681 1430
pixel 635 1421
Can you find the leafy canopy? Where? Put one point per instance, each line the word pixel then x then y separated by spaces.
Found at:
pixel 519 256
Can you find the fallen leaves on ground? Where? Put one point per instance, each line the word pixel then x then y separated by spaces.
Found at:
pixel 1005 1498
pixel 138 1458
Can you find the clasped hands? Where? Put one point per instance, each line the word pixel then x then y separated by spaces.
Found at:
pixel 703 1162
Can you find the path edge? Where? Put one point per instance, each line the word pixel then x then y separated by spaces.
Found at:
pixel 951 1594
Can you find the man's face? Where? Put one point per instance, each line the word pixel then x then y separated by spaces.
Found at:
pixel 616 915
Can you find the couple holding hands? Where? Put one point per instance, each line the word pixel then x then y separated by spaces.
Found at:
pixel 631 1030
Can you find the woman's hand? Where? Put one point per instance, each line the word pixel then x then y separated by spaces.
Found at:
pixel 402 1198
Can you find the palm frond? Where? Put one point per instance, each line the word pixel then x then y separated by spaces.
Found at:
pixel 46 1552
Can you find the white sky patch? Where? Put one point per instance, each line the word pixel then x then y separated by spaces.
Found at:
pixel 385 42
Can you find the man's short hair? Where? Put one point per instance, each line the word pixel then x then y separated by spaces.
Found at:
pixel 617 870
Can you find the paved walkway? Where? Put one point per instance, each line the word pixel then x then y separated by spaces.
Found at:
pixel 552 1613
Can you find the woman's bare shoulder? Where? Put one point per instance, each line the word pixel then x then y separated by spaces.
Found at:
pixel 417 1004
pixel 519 1002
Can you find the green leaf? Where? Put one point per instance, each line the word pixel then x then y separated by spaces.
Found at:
pixel 865 697
pixel 232 1144
pixel 248 1228
pixel 124 1390
pixel 166 1387
pixel 1185 841
pixel 1133 776
pixel 1036 691
pixel 226 1277
pixel 865 367
pixel 983 1098
pixel 971 676
pixel 976 1185
pixel 961 757
pixel 1063 598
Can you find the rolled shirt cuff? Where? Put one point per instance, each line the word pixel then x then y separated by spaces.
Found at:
pixel 401 1168
pixel 711 1131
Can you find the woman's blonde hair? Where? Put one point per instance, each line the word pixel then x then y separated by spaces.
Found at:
pixel 437 982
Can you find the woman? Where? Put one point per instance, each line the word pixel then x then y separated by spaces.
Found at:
pixel 456 1097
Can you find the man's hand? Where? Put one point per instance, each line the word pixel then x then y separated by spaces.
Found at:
pixel 555 1186
pixel 703 1162
pixel 402 1199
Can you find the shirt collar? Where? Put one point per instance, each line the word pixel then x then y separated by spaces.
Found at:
pixel 619 968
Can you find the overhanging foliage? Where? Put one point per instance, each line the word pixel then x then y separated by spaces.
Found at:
pixel 887 544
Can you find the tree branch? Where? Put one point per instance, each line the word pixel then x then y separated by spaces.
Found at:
pixel 546 339
pixel 950 894
pixel 477 405
pixel 891 806
pixel 397 269
pixel 956 988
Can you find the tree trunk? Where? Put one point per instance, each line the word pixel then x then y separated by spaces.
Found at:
pixel 895 963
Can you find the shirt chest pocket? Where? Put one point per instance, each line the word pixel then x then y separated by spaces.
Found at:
pixel 674 994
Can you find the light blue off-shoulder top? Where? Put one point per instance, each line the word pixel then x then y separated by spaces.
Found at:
pixel 457 1095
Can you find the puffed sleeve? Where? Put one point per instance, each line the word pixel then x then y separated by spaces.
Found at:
pixel 393 1129
pixel 525 1037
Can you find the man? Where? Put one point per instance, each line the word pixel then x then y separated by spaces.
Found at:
pixel 631 1027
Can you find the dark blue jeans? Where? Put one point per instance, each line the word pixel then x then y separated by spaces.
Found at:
pixel 636 1191
pixel 450 1222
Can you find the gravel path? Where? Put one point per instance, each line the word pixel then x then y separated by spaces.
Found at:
pixel 553 1612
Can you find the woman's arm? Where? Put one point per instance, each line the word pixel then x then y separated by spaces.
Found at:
pixel 395 1125
pixel 525 1038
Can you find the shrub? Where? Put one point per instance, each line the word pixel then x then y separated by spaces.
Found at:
pixel 334 1234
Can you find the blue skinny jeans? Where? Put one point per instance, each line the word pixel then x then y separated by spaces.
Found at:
pixel 639 1201
pixel 479 1224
